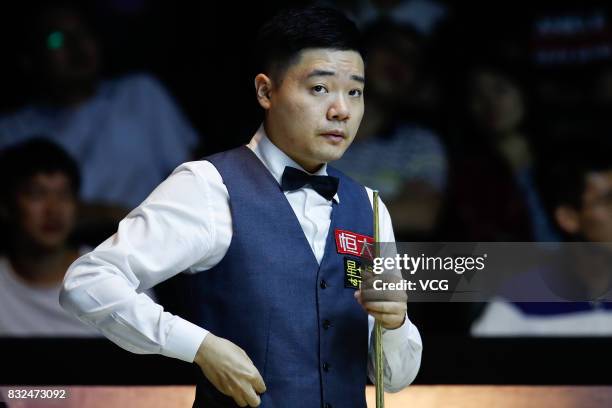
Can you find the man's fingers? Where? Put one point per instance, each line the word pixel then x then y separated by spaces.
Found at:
pixel 239 400
pixel 258 384
pixel 389 314
pixel 379 316
pixel 243 393
pixel 358 296
pixel 389 321
pixel 251 397
pixel 230 370
pixel 369 294
pixel 385 307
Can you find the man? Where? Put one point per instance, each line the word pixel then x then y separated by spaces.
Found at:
pixel 573 290
pixel 38 199
pixel 283 326
pixel 130 121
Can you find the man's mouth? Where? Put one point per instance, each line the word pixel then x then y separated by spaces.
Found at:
pixel 334 135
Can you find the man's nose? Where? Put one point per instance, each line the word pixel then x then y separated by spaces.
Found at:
pixel 339 109
pixel 54 204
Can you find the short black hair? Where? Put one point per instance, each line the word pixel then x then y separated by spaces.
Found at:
pixel 562 171
pixel 21 161
pixel 292 30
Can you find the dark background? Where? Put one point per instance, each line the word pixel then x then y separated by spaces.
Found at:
pixel 202 53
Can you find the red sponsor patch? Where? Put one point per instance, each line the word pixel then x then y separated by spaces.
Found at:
pixel 351 243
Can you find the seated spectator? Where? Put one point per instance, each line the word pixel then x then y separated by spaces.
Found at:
pixel 492 193
pixel 394 151
pixel 126 133
pixel 573 291
pixel 38 202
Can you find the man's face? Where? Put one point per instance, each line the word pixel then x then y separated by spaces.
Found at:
pixel 314 112
pixel 393 70
pixel 596 213
pixel 69 51
pixel 46 209
pixel 496 103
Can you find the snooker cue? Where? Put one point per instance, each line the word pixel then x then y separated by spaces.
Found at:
pixel 378 348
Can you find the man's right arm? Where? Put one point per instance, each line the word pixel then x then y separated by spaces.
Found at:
pixel 184 224
pixel 171 231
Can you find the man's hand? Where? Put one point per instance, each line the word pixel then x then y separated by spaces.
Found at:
pixel 230 370
pixel 391 314
pixel 386 305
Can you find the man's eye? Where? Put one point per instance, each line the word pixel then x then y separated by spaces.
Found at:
pixel 319 89
pixel 356 92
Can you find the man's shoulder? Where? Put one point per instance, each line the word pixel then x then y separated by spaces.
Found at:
pixel 134 90
pixel 9 284
pixel 133 81
pixel 202 168
pixel 231 153
pixel 4 264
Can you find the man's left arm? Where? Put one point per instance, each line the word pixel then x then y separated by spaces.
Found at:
pixel 402 343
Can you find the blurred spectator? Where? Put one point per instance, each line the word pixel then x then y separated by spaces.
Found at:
pixel 126 133
pixel 493 192
pixel 577 186
pixel 38 190
pixel 394 151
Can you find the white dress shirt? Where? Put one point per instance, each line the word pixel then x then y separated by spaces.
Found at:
pixel 28 310
pixel 185 225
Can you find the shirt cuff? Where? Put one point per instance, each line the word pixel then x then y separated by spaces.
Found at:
pixel 184 340
pixel 397 337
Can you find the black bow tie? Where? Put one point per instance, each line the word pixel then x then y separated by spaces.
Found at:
pixel 293 179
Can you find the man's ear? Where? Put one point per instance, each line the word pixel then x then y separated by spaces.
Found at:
pixel 263 88
pixel 567 219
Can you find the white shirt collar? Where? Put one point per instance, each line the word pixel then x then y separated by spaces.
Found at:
pixel 275 159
